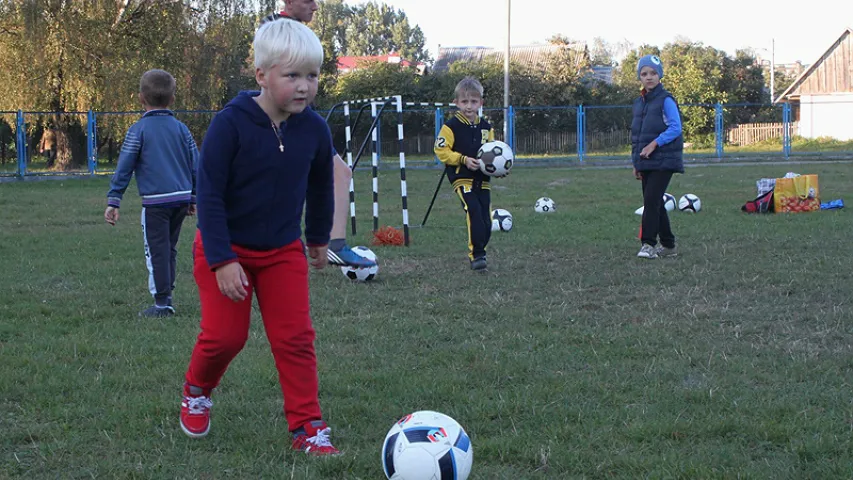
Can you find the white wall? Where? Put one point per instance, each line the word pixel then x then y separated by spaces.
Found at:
pixel 827 116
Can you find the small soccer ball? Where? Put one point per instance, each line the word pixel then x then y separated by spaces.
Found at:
pixel 544 205
pixel 689 203
pixel 501 220
pixel 362 274
pixel 495 158
pixel 427 445
pixel 668 202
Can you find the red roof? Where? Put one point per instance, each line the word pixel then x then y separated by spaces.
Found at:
pixel 351 63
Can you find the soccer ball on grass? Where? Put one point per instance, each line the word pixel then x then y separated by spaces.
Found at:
pixel 689 203
pixel 668 202
pixel 362 274
pixel 427 445
pixel 544 205
pixel 501 220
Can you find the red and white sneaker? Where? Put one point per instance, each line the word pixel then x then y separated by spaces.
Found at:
pixel 315 440
pixel 195 413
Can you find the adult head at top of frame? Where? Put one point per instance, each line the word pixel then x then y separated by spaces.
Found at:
pixel 302 10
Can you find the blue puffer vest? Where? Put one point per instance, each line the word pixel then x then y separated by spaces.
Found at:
pixel 646 125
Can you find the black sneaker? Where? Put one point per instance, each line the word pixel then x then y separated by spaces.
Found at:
pixel 479 264
pixel 155 311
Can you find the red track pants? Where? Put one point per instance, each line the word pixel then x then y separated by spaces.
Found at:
pixel 280 279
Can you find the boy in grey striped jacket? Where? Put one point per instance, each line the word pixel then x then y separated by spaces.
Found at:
pixel 162 153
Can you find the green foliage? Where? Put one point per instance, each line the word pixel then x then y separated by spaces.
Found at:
pixel 76 56
pixel 698 74
pixel 600 53
pixel 377 79
pixel 378 29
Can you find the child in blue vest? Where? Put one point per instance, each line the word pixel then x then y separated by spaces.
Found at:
pixel 656 152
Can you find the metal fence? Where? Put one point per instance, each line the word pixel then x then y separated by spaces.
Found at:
pixel 90 142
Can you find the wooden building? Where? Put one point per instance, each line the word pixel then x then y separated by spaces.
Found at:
pixel 822 97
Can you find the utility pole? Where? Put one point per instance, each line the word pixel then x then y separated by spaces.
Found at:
pixel 772 69
pixel 506 72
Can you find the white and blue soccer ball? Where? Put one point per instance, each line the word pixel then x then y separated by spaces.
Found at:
pixel 495 158
pixel 427 445
pixel 668 202
pixel 362 274
pixel 544 205
pixel 501 220
pixel 689 203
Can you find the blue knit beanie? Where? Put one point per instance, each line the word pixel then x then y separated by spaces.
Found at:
pixel 650 61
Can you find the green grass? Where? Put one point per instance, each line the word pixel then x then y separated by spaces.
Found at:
pixel 570 358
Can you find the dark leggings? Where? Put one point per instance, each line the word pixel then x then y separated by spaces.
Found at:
pixel 655 219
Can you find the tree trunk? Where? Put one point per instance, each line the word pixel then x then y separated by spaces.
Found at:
pixel 70 147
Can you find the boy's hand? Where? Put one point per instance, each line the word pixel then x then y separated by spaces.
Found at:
pixel 111 215
pixel 472 163
pixel 232 281
pixel 637 175
pixel 645 152
pixel 191 211
pixel 319 256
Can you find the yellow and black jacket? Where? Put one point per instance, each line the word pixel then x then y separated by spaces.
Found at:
pixel 458 139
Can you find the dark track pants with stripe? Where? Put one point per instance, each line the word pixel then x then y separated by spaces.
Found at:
pixel 161 228
pixel 280 279
pixel 477 204
pixel 655 222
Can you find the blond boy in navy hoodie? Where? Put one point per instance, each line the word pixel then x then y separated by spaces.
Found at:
pixel 265 158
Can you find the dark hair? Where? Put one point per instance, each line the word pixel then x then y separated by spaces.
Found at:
pixel 157 88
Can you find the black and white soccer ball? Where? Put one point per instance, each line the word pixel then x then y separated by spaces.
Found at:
pixel 495 158
pixel 544 205
pixel 668 202
pixel 427 445
pixel 501 220
pixel 689 203
pixel 362 274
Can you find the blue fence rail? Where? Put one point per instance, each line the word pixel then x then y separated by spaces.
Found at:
pixel 571 133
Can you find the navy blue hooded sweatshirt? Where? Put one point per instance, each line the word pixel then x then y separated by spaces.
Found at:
pixel 251 193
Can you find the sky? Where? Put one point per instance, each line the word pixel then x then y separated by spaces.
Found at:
pixel 803 31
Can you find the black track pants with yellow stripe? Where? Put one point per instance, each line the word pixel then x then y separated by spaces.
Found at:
pixel 478 215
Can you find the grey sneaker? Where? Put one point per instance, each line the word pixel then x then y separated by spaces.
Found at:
pixel 647 251
pixel 155 311
pixel 479 264
pixel 666 252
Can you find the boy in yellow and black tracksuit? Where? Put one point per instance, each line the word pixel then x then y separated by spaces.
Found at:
pixel 456 146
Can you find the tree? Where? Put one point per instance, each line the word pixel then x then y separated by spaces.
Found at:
pixel 601 52
pixel 377 29
pixel 329 24
pixel 51 59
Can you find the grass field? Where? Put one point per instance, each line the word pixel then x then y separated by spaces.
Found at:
pixel 570 358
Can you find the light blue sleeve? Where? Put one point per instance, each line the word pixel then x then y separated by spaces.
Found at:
pixel 192 150
pixel 672 120
pixel 127 159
